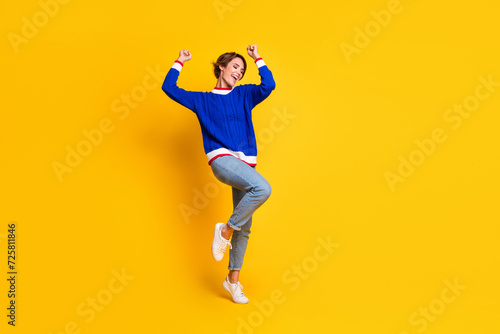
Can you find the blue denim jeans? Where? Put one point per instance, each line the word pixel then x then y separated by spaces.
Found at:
pixel 250 191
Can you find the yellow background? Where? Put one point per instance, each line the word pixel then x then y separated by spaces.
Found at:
pixel 348 123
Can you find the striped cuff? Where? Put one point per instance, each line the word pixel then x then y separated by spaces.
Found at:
pixel 178 65
pixel 259 62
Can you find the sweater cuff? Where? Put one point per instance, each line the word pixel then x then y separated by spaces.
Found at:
pixel 178 65
pixel 259 62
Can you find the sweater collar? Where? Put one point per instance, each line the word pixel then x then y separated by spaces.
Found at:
pixel 222 91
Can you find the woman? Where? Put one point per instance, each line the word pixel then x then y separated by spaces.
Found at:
pixel 225 117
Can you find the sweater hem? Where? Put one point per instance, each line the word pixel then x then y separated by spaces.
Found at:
pixel 249 160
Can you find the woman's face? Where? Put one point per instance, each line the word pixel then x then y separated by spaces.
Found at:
pixel 233 72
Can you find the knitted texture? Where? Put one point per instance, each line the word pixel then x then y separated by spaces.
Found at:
pixel 225 115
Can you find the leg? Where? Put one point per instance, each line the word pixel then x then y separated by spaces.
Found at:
pixel 239 241
pixel 239 175
pixel 250 191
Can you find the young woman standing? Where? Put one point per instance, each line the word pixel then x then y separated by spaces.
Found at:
pixel 225 117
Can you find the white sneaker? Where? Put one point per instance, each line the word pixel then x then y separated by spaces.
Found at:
pixel 235 290
pixel 219 244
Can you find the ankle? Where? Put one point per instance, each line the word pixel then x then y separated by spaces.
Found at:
pixel 233 278
pixel 226 232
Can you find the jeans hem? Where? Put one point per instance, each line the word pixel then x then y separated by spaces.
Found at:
pixel 236 228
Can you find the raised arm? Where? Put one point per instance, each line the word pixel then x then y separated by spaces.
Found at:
pixel 260 92
pixel 179 95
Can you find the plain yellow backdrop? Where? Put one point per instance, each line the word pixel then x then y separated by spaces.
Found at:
pixel 380 142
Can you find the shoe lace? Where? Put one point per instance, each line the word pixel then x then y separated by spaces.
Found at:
pixel 223 244
pixel 238 291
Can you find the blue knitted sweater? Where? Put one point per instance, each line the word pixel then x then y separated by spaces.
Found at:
pixel 225 115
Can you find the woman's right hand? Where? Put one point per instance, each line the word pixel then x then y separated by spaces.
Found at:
pixel 184 56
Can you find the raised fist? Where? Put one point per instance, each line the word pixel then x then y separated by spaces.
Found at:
pixel 184 56
pixel 252 51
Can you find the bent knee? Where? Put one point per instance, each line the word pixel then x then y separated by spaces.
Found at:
pixel 265 190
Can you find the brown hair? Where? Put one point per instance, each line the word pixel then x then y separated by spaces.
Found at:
pixel 225 59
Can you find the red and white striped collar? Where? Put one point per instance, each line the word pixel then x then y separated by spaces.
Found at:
pixel 222 91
